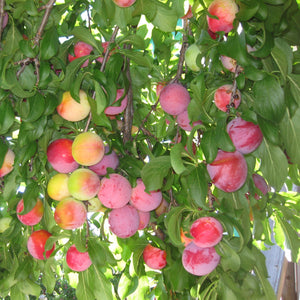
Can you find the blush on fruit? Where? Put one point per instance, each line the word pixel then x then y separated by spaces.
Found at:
pixel 144 219
pixel 34 216
pixel 154 257
pixel 228 171
pixel 124 221
pixel 8 163
pixel 260 183
pixel 174 98
pixel 124 3
pixel 245 136
pixel 184 121
pixel 222 97
pixel 57 187
pixel 206 231
pixel 36 244
pixel 115 110
pixel 77 261
pixel 199 261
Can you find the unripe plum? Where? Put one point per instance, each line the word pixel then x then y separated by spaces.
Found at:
pixel 115 191
pixel 77 261
pixel 260 183
pixel 57 187
pixel 142 200
pixel 174 98
pixel 34 216
pixel 245 136
pixel 94 205
pixel 8 163
pixel 81 49
pixel 228 171
pixel 83 184
pixel 59 154
pixel 108 161
pixel 206 231
pixel 199 261
pixel 154 257
pixel 70 213
pixel 124 221
pixel 124 3
pixel 71 110
pixel 115 110
pixel 144 219
pixel 222 97
pixel 184 121
pixel 162 207
pixel 225 10
pixel 190 57
pixel 5 223
pixel 88 148
pixel 36 244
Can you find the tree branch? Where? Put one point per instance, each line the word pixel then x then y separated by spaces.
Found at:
pixel 2 3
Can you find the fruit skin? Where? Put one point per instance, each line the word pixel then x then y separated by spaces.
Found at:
pixel 199 261
pixel 223 95
pixel 36 244
pixel 88 148
pixel 81 49
pixel 206 231
pixel 174 98
pixel 115 110
pixel 77 261
pixel 124 3
pixel 70 110
pixel 229 63
pixel 34 216
pixel 94 205
pixel 225 10
pixel 245 136
pixel 184 239
pixel 57 187
pixel 59 154
pixel 108 161
pixel 162 208
pixel 115 191
pixel 70 213
pixel 124 221
pixel 8 163
pixel 184 121
pixel 4 223
pixel 83 184
pixel 144 219
pixel 260 183
pixel 142 200
pixel 228 171
pixel 154 257
pixel 191 55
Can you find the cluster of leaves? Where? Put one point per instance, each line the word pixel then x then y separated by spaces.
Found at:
pixel 34 73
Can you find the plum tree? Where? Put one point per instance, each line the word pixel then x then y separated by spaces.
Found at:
pixel 115 191
pixel 83 184
pixel 88 148
pixel 228 171
pixel 59 155
pixel 115 89
pixel 154 257
pixel 34 216
pixel 36 244
pixel 143 200
pixel 199 261
pixel 70 213
pixel 77 261
pixel 246 136
pixel 206 231
pixel 71 110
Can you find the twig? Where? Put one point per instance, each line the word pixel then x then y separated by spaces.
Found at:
pixel 234 86
pixel 2 2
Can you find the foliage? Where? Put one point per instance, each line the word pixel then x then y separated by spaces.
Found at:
pixel 35 71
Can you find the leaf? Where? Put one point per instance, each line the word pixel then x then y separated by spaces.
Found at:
pixel 173 224
pixel 290 134
pixel 97 253
pixel 269 99
pixel 272 160
pixel 267 288
pixel 197 182
pixel 176 159
pixel 209 145
pixel 230 260
pixel 49 44
pixel 83 290
pixel 83 34
pixel 100 98
pixel 294 80
pixel 30 197
pixel 36 106
pixel 12 41
pixel 154 172
pixel 127 285
pixel 138 57
pixel 269 130
pixel 7 116
pixel 29 287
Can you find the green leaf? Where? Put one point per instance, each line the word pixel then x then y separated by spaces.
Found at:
pixel 36 106
pixel 100 98
pixel 209 145
pixel 7 116
pixel 83 290
pixel 30 197
pixel 294 80
pixel 97 253
pixel 29 287
pixel 269 99
pixel 176 159
pixel 267 288
pixel 272 160
pixel 138 57
pixel 198 185
pixel 154 172
pixel 173 224
pixel 3 151
pixel 12 40
pixel 83 34
pixel 49 44
pixel 230 260
pixel 290 134
pixel 127 285
pixel 269 130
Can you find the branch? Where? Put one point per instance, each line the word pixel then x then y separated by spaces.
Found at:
pixel 234 87
pixel 2 2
